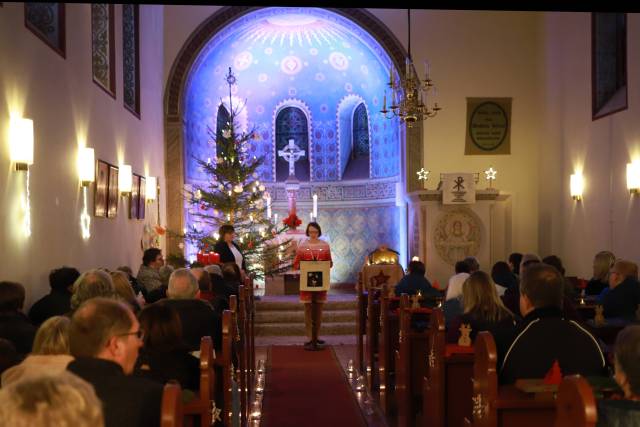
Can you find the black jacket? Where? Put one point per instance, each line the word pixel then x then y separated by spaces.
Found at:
pixel 198 320
pixel 595 286
pixel 226 255
pixel 126 401
pixel 160 366
pixel 57 303
pixel 622 301
pixel 544 336
pixel 16 327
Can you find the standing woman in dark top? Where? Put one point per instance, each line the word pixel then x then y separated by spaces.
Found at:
pixel 164 356
pixel 602 263
pixel 228 249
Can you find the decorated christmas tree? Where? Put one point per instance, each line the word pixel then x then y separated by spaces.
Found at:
pixel 234 195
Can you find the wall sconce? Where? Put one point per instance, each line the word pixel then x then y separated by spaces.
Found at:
pixel 577 186
pixel 86 166
pixel 151 189
pixel 633 177
pixel 125 179
pixel 21 142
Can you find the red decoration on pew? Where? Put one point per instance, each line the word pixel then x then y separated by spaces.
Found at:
pixel 554 376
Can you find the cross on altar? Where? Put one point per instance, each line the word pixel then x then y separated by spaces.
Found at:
pixel 291 153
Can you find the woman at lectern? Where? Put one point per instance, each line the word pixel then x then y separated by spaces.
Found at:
pixel 312 249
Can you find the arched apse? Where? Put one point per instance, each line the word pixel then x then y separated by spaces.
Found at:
pixel 386 134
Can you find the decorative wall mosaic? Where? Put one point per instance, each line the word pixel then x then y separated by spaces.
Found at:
pixel 47 21
pixel 103 46
pixel 131 57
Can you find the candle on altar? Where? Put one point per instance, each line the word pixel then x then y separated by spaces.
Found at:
pixel 315 206
pixel 269 206
pixel 214 258
pixel 200 257
pixel 275 219
pixel 310 216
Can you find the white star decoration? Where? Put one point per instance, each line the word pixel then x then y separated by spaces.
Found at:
pixel 490 173
pixel 423 174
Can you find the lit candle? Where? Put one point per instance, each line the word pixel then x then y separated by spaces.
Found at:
pixel 315 206
pixel 269 206
pixel 311 216
pixel 426 69
pixel 275 219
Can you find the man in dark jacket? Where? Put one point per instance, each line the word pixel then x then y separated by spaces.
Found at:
pixel 415 282
pixel 197 316
pixel 624 295
pixel 545 335
pixel 14 324
pixel 58 302
pixel 104 338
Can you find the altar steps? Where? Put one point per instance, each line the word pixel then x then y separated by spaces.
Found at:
pixel 285 317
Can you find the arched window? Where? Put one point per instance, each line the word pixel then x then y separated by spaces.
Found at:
pixel 291 123
pixel 222 123
pixel 358 165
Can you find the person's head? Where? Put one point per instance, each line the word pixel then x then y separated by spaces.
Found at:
pixel 8 355
pixel 527 260
pixel 126 269
pixel 104 328
pixel 313 230
pixel 417 268
pixel 152 257
pixel 626 356
pixel 622 270
pixel 231 272
pixel 473 263
pixel 11 297
pixel 501 274
pixel 203 278
pixel 63 399
pixel 182 285
pixel 227 233
pixel 162 327
pixel 480 297
pixel 602 263
pixel 61 279
pixel 92 284
pixel 462 267
pixel 541 286
pixel 52 336
pixel 554 261
pixel 514 262
pixel 122 285
pixel 213 269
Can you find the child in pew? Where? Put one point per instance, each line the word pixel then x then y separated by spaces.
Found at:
pixel 164 356
pixel 483 310
pixel 624 411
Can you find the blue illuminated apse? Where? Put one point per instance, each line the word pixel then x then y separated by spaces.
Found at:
pixel 314 76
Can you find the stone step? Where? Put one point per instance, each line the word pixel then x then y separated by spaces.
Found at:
pixel 296 305
pixel 297 316
pixel 298 329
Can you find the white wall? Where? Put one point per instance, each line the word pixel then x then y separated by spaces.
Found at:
pixel 606 219
pixel 67 107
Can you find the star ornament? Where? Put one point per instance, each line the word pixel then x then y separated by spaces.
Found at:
pixel 490 173
pixel 423 174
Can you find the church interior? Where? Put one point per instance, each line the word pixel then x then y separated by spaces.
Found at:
pixel 454 183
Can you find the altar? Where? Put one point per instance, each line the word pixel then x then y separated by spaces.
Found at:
pixel 442 234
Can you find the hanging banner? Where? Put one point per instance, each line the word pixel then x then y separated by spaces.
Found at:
pixel 458 188
pixel 488 126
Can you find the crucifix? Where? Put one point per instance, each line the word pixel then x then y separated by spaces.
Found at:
pixel 291 153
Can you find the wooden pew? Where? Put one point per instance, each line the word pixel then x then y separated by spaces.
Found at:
pixel 372 329
pixel 447 390
pixel 171 408
pixel 504 405
pixel 576 404
pixel 387 345
pixel 409 363
pixel 203 404
pixel 361 316
pixel 225 361
pixel 251 352
pixel 243 359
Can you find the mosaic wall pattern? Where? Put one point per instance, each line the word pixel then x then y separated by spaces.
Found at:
pixel 311 55
pixel 130 57
pixel 102 48
pixel 47 21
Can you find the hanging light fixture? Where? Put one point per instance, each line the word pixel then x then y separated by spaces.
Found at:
pixel 409 94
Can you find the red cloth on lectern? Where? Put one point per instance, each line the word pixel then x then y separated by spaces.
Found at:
pixel 307 251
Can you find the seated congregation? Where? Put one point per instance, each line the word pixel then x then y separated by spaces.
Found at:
pixel 493 348
pixel 105 348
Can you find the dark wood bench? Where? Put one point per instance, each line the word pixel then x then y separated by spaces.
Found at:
pixel 171 408
pixel 225 362
pixel 505 405
pixel 202 406
pixel 361 320
pixel 372 338
pixel 576 404
pixel 447 390
pixel 387 345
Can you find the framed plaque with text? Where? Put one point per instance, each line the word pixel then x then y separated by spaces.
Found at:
pixel 314 275
pixel 488 126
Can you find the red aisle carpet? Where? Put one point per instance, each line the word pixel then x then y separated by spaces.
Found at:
pixel 308 388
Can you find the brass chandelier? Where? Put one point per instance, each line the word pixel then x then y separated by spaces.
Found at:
pixel 409 93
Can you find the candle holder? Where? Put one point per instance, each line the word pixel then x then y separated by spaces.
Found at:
pixel 360 384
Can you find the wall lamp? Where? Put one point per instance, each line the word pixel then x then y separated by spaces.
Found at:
pixel 125 179
pixel 21 142
pixel 86 166
pixel 151 188
pixel 633 177
pixel 577 186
